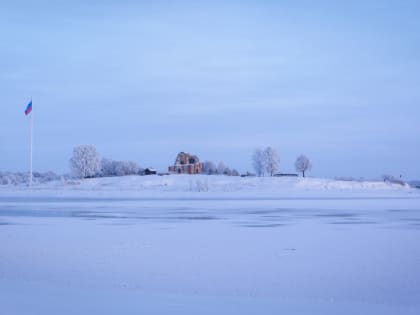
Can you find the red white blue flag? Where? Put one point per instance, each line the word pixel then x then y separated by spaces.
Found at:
pixel 28 109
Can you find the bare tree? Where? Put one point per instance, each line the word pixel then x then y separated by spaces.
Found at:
pixel 303 164
pixel 85 161
pixel 272 160
pixel 258 162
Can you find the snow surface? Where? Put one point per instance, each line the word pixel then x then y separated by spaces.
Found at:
pixel 233 186
pixel 209 245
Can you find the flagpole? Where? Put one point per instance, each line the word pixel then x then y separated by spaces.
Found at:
pixel 30 135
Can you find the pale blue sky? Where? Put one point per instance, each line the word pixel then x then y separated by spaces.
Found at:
pixel 336 80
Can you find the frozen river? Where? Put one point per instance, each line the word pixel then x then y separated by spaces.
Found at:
pixel 209 255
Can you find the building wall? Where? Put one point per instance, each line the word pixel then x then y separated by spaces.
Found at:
pixel 183 164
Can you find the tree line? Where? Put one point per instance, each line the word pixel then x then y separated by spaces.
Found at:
pixel 86 163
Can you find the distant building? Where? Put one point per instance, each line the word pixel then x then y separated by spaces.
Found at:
pixel 248 174
pixel 186 163
pixel 150 171
pixel 285 175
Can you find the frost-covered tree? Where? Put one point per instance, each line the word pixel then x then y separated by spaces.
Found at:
pixel 45 177
pixel 210 168
pixel 266 160
pixel 271 160
pixel 227 171
pixel 85 161
pixel 107 167
pixel 303 164
pixel 258 162
pixel 132 168
pixel 221 168
pixel 119 168
pixel 123 168
pixel 234 172
pixel 22 178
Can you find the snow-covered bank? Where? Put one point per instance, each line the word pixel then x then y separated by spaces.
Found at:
pixel 202 186
pixel 319 251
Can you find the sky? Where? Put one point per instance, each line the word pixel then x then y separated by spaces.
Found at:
pixel 337 81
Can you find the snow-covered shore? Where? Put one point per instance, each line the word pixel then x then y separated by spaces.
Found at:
pixel 209 245
pixel 203 186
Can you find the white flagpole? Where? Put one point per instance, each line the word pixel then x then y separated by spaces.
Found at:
pixel 30 135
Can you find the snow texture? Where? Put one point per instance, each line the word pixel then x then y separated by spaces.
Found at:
pixel 201 244
pixel 234 186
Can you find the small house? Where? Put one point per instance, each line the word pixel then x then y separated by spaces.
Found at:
pixel 150 171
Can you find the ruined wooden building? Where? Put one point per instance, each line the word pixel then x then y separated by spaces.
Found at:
pixel 186 163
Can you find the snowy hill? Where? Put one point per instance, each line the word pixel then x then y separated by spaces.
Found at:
pixel 204 185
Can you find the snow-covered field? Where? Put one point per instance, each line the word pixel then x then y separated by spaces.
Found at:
pixel 232 186
pixel 209 245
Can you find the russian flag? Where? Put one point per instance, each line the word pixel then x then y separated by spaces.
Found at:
pixel 28 109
